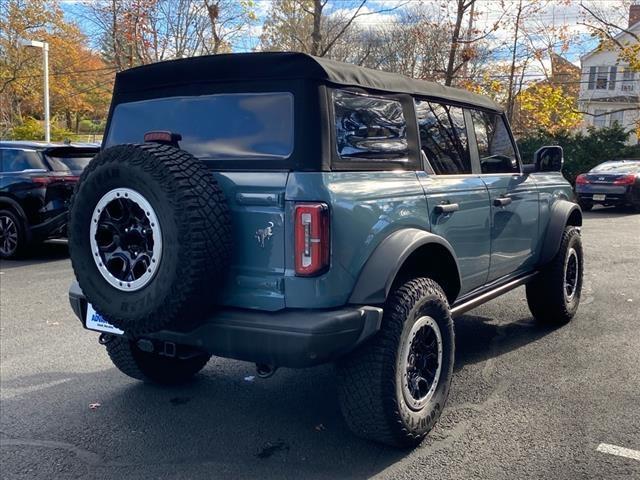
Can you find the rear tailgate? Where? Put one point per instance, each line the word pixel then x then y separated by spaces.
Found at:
pixel 256 200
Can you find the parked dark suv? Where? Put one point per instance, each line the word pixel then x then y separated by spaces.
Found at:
pixel 290 211
pixel 36 183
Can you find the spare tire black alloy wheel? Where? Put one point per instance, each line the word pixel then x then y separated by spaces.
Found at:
pixel 149 237
pixel 126 239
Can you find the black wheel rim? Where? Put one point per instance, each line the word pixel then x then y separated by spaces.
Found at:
pixel 571 274
pixel 422 362
pixel 126 240
pixel 8 235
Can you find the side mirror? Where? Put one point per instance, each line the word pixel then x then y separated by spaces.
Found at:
pixel 549 159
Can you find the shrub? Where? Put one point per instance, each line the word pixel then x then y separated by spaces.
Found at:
pixel 582 151
pixel 32 129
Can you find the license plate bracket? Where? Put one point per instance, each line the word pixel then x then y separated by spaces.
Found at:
pixel 94 321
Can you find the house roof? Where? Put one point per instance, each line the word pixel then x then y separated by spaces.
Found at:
pixel 282 66
pixel 632 28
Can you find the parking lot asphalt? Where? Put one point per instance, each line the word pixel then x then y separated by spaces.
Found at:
pixel 527 401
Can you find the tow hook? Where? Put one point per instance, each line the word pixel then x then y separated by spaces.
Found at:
pixel 265 371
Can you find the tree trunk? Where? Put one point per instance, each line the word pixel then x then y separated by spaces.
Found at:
pixel 114 35
pixel 68 119
pixel 510 96
pixel 316 35
pixel 213 10
pixel 453 49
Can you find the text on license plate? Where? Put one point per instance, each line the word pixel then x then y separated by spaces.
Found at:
pixel 95 321
pixel 599 197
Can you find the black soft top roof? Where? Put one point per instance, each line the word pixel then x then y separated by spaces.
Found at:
pixel 274 66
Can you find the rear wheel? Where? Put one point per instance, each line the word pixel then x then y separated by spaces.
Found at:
pixel 393 388
pixel 152 367
pixel 554 294
pixel 12 235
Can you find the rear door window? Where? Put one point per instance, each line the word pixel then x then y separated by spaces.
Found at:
pixel 247 126
pixel 443 137
pixel 15 160
pixel 495 147
pixel 369 128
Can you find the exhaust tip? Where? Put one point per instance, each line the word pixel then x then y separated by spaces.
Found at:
pixel 265 371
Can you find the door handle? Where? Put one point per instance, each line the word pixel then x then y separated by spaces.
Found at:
pixel 502 201
pixel 447 208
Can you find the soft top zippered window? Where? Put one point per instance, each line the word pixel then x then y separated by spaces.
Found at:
pixel 225 126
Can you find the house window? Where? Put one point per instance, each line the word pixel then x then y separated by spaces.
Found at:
pixel 602 77
pixel 616 117
pixel 628 77
pixel 599 118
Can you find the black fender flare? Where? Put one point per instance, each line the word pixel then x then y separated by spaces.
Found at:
pixel 560 215
pixel 379 272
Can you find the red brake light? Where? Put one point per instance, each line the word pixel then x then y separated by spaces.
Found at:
pixel 43 180
pixel 581 179
pixel 626 180
pixel 312 249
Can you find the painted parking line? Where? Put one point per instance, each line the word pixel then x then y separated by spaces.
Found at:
pixel 619 451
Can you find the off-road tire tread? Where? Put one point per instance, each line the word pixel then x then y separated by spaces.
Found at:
pixel 367 376
pixel 152 368
pixel 545 293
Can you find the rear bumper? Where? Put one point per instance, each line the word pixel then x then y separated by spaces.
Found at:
pixel 288 338
pixel 614 195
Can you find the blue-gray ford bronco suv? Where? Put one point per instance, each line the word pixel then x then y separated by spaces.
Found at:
pixel 290 211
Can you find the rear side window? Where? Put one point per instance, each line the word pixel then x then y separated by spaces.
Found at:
pixel 369 128
pixel 443 137
pixel 18 160
pixel 495 148
pixel 247 126
pixel 69 163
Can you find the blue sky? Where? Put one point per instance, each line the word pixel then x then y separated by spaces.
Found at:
pixel 382 12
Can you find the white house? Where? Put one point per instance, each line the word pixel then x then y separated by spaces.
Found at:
pixel 609 90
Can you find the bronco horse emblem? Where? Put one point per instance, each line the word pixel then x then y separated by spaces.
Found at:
pixel 263 234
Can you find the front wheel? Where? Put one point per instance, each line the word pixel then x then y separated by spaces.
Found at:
pixel 393 388
pixel 152 367
pixel 554 294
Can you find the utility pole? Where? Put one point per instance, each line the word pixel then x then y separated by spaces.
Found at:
pixel 45 65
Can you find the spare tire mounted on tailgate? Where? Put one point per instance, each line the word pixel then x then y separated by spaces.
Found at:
pixel 149 236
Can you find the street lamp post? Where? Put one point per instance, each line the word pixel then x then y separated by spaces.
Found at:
pixel 45 64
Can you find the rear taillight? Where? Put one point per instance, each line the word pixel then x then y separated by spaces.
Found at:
pixel 42 181
pixel 581 179
pixel 312 249
pixel 626 180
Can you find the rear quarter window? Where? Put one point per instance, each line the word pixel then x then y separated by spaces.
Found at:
pixel 248 126
pixel 369 128
pixel 15 160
